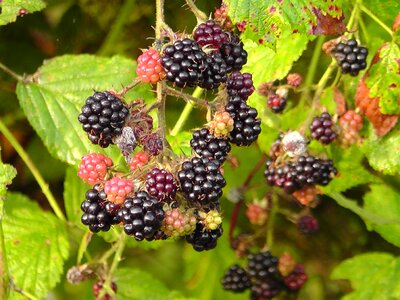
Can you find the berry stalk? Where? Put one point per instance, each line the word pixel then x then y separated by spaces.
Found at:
pixel 11 73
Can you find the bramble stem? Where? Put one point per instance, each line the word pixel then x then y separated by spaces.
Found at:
pixel 200 16
pixel 271 220
pixel 123 15
pixel 185 113
pixel 35 172
pixel 188 98
pixel 25 294
pixel 314 61
pixel 11 72
pixel 376 19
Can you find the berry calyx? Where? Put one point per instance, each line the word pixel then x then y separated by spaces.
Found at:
pixel 161 184
pixel 117 189
pixel 321 129
pixel 103 117
pixel 142 216
pixel 210 34
pixel 139 160
pixel 178 222
pixel 93 168
pixel 149 68
pixel 351 57
pixel 307 224
pixel 236 279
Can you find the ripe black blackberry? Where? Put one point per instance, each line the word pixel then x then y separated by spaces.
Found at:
pixel 351 57
pixel 161 184
pixel 202 239
pixel 98 214
pixel 240 84
pixel 246 126
pixel 294 175
pixel 103 117
pixel 233 53
pixel 184 62
pixel 307 224
pixel 321 129
pixel 265 289
pixel 262 265
pixel 215 72
pixel 236 279
pixel 276 103
pixel 201 180
pixel 207 145
pixel 210 34
pixel 142 216
pixel 296 279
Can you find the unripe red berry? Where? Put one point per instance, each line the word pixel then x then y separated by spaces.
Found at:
pixel 93 168
pixel 149 68
pixel 117 189
pixel 139 160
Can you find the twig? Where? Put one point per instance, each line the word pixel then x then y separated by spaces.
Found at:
pixel 376 19
pixel 35 172
pixel 200 16
pixel 11 73
pixel 134 83
pixel 188 98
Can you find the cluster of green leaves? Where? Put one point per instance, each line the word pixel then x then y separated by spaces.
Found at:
pixel 278 36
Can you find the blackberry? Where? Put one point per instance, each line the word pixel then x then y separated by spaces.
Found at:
pixel 152 144
pixel 96 213
pixel 103 117
pixel 142 216
pixel 321 129
pixel 201 180
pixel 98 287
pixel 307 224
pixel 233 53
pixel 210 34
pixel 202 239
pixel 351 57
pixel 265 289
pixel 207 145
pixel 307 170
pixel 215 73
pixel 276 103
pixel 161 184
pixel 296 279
pixel 240 84
pixel 246 126
pixel 184 62
pixel 262 265
pixel 236 279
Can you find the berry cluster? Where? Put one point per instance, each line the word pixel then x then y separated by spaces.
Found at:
pixel 351 57
pixel 321 129
pixel 263 277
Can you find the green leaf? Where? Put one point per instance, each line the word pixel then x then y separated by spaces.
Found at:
pixel 381 152
pixel 351 171
pixel 53 98
pixel 383 200
pixel 384 79
pixel 372 276
pixel 10 9
pixel 134 284
pixel 7 173
pixel 386 10
pixel 36 244
pixel 268 21
pixel 180 143
pixel 74 194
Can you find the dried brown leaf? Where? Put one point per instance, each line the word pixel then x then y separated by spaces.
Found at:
pixel 327 24
pixel 340 101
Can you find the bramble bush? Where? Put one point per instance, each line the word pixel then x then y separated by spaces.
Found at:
pixel 243 150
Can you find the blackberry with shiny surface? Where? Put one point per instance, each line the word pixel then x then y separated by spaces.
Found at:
pixel 262 265
pixel 240 84
pixel 265 289
pixel 210 34
pixel 321 129
pixel 215 72
pixel 234 54
pixel 202 239
pixel 201 180
pixel 96 213
pixel 351 57
pixel 184 62
pixel 307 170
pixel 236 279
pixel 103 117
pixel 246 126
pixel 207 145
pixel 161 184
pixel 142 216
